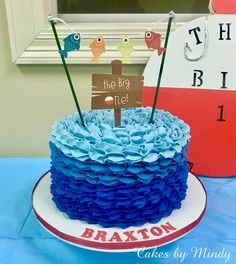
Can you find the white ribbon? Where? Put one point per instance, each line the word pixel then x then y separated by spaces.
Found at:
pixel 150 28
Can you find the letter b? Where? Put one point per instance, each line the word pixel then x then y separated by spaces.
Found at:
pixel 197 78
pixel 88 233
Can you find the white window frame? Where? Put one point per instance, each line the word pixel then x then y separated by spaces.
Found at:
pixel 32 40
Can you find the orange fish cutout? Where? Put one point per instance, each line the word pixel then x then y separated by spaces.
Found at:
pixel 97 47
pixel 222 6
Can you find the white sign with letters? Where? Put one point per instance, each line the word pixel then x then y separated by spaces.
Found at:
pixel 200 54
pixel 199 86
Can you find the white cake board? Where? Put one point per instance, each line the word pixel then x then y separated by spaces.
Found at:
pixel 170 228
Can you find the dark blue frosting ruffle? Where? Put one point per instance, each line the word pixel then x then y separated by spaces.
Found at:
pixel 118 195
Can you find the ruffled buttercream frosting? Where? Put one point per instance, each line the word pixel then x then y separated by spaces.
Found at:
pixel 111 174
pixel 136 140
pixel 119 176
pixel 120 205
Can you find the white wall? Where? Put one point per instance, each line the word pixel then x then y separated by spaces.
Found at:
pixel 33 97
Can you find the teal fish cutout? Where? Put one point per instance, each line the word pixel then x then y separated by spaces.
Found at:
pixel 126 48
pixel 71 42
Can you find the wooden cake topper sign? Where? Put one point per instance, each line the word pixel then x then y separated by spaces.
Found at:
pixel 116 91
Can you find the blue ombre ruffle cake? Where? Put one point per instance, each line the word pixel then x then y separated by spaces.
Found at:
pixel 119 176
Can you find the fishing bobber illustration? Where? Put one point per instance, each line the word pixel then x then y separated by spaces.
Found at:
pixel 109 100
pixel 199 86
pixel 222 6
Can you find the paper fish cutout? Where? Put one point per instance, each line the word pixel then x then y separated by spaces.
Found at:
pixel 71 42
pixel 97 47
pixel 153 40
pixel 126 48
pixel 222 6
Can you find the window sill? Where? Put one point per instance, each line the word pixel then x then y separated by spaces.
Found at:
pixel 32 40
pixel 43 49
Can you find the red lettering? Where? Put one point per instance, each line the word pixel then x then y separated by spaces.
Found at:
pixel 143 232
pixel 115 237
pixel 88 233
pixel 168 227
pixel 130 236
pixel 101 235
pixel 156 231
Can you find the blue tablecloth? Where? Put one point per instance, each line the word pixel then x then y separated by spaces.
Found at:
pixel 23 240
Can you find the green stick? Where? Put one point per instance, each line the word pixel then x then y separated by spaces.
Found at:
pixel 161 68
pixel 67 72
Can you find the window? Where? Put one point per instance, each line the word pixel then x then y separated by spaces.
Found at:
pixel 131 11
pixel 131 6
pixel 32 40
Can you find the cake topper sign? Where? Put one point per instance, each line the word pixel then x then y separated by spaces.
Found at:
pixel 116 91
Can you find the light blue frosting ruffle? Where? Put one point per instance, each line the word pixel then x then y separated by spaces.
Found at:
pixel 134 141
pixel 110 174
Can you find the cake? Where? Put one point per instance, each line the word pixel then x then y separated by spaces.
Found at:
pixel 122 176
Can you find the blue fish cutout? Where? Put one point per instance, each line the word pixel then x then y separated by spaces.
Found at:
pixel 71 42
